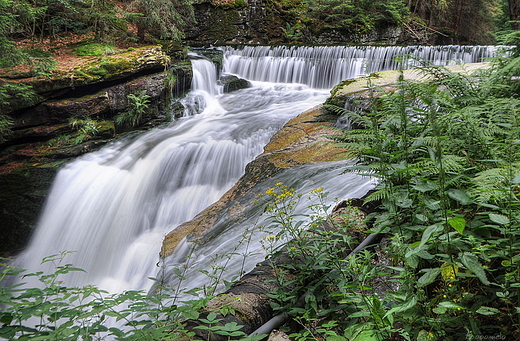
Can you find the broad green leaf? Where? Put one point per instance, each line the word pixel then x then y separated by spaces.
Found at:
pixel 460 196
pixel 335 338
pixel 421 217
pixel 425 254
pixel 450 305
pixel 432 204
pixel 40 338
pixel 424 186
pixel 366 335
pixel 360 314
pixel 499 219
pixel 429 276
pixel 458 223
pixel 472 263
pixel 402 199
pixel 440 310
pixel 408 304
pixel 428 232
pixel 487 311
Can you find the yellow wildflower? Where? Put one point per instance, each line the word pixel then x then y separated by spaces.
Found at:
pixel 317 190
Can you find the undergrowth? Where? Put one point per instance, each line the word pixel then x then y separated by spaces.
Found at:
pixel 445 154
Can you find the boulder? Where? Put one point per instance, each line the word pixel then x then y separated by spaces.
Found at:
pixel 232 83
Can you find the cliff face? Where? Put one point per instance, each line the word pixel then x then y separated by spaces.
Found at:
pixel 256 22
pixel 262 22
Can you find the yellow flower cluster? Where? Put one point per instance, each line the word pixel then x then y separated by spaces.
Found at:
pixel 270 191
pixel 317 190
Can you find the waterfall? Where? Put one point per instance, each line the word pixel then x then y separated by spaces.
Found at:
pixel 323 67
pixel 113 207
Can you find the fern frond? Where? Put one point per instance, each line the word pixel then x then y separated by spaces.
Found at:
pixel 493 185
pixel 379 194
pixel 430 167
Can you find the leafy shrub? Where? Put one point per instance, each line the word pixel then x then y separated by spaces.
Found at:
pixel 43 67
pixel 56 312
pixel 98 71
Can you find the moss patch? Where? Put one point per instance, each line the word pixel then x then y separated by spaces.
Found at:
pixel 304 140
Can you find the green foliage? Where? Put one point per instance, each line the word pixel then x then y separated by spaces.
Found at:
pixel 43 67
pixel 292 34
pixel 53 311
pixel 163 19
pixel 229 3
pixel 10 54
pixel 138 105
pixel 445 155
pixel 40 19
pixel 85 128
pixel 354 16
pixel 5 124
pixel 12 94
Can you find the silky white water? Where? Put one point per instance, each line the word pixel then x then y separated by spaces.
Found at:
pixel 113 207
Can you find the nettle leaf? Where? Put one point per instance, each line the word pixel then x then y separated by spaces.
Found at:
pixel 402 199
pixel 432 204
pixel 450 305
pixel 487 311
pixel 458 223
pixel 429 276
pixel 472 263
pixel 499 219
pixel 425 186
pixel 408 304
pixel 460 196
pixel 428 232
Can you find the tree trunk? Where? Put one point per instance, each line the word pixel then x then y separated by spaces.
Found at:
pixel 514 14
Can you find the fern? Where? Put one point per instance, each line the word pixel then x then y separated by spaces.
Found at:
pixel 379 194
pixel 493 184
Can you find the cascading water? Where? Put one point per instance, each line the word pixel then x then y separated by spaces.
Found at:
pixel 113 207
pixel 323 67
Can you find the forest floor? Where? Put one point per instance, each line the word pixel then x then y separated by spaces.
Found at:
pixel 62 51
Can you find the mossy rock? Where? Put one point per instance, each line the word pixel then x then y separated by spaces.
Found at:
pixel 233 83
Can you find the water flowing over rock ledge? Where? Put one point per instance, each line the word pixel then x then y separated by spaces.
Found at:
pixel 302 140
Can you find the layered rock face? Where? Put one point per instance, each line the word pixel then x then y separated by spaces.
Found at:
pixel 262 22
pixel 254 22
